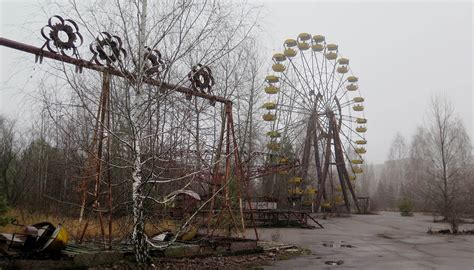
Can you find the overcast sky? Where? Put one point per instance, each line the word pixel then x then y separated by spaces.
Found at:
pixel 403 53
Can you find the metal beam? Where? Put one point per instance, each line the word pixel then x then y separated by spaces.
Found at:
pixel 89 65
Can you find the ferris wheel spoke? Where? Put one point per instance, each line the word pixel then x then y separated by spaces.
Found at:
pixel 296 90
pixel 300 77
pixel 311 73
pixel 347 103
pixel 291 125
pixel 340 87
pixel 349 141
pixel 347 117
pixel 353 131
pixel 331 79
pixel 320 71
pixel 296 135
pixel 305 73
pixel 295 109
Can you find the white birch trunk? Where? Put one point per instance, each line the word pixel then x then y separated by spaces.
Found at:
pixel 139 239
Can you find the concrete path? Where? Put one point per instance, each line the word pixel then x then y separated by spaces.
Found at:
pixel 385 241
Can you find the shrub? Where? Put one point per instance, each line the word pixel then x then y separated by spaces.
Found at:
pixel 4 220
pixel 406 207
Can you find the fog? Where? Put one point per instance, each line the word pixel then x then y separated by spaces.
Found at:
pixel 402 52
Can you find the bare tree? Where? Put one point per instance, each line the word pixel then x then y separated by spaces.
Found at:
pixel 393 174
pixel 151 127
pixel 447 151
pixel 7 153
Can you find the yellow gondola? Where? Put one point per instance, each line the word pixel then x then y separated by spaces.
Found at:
pixel 271 79
pixel 283 161
pixel 352 79
pixel 357 170
pixel 342 69
pixel 326 205
pixel 332 47
pixel 278 67
pixel 290 43
pixel 318 38
pixel 360 150
pixel 295 191
pixel 358 99
pixel 361 142
pixel 273 146
pixel 331 55
pixel 271 89
pixel 343 61
pixel 269 105
pixel 304 36
pixel 295 180
pixel 289 52
pixel 317 47
pixel 273 134
pixel 358 107
pixel 357 161
pixel 279 57
pixel 361 121
pixel 352 87
pixel 361 129
pixel 303 46
pixel 352 177
pixel 269 117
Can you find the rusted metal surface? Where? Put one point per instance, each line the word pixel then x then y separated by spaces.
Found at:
pixel 62 41
pixel 90 65
pixel 275 217
pixel 107 50
pixel 155 63
pixel 201 78
pixel 62 36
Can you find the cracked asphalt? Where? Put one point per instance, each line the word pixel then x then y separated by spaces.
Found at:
pixel 384 241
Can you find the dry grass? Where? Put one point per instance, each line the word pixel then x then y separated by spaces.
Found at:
pixel 121 227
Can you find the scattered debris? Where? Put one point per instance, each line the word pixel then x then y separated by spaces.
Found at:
pixel 448 231
pixel 41 237
pixel 334 262
pixel 339 244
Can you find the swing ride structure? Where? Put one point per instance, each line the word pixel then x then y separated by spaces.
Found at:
pixel 315 114
pixel 62 41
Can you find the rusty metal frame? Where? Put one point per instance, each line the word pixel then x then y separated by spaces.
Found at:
pixel 103 120
pixel 90 65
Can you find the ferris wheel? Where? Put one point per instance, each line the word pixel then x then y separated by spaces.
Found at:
pixel 315 112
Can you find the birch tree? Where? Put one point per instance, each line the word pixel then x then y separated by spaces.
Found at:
pixel 150 125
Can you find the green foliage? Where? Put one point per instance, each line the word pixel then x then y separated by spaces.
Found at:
pixel 4 220
pixel 406 207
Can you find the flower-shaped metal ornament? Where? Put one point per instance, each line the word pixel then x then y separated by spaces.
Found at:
pixel 62 36
pixel 201 79
pixel 107 49
pixel 153 63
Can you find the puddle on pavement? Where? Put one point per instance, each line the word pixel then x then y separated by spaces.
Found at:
pixel 334 262
pixel 339 244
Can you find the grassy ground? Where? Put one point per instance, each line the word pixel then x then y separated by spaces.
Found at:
pixel 121 227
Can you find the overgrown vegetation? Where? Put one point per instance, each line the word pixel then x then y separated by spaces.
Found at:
pixel 405 205
pixel 4 219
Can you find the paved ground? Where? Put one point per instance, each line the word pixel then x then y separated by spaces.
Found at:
pixel 385 241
